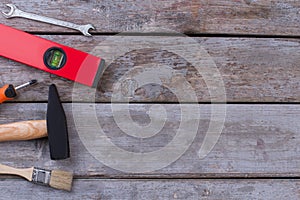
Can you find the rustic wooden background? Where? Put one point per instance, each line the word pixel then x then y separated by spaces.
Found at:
pixel 255 45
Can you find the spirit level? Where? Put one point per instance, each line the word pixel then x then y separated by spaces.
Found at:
pixel 51 57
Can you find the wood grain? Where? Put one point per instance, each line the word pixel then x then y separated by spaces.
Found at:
pixel 24 130
pixel 253 70
pixel 260 64
pixel 222 17
pixel 156 189
pixel 25 173
pixel 257 141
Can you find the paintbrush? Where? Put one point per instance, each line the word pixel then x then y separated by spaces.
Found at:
pixel 58 179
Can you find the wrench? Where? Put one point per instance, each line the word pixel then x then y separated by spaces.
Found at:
pixel 15 12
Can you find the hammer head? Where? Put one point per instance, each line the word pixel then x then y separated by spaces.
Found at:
pixel 57 127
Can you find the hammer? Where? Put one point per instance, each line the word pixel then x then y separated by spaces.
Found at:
pixel 55 125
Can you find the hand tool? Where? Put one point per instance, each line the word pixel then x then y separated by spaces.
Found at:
pixel 15 12
pixel 57 179
pixel 50 56
pixel 9 92
pixel 56 126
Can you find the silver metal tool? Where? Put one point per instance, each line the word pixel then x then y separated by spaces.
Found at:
pixel 41 176
pixel 15 12
pixel 32 82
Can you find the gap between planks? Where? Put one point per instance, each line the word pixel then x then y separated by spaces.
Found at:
pixel 159 34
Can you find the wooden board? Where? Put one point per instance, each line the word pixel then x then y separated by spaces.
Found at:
pixel 257 141
pixel 156 189
pixel 260 17
pixel 253 70
pixel 254 46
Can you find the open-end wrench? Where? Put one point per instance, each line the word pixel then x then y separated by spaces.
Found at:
pixel 15 12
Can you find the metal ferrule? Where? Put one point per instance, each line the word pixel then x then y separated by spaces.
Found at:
pixel 41 176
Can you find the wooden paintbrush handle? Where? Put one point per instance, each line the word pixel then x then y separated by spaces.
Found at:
pixel 26 130
pixel 25 173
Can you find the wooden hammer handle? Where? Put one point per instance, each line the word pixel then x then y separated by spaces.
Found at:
pixel 25 130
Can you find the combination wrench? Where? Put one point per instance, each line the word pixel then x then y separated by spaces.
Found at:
pixel 15 12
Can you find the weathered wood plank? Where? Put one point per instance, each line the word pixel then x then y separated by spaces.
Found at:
pixel 257 141
pixel 231 17
pixel 253 70
pixel 156 189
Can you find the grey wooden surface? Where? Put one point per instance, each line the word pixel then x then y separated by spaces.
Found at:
pixel 198 16
pixel 253 70
pixel 257 141
pixel 255 47
pixel 146 189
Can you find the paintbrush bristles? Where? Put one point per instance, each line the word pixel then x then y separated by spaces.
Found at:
pixel 61 180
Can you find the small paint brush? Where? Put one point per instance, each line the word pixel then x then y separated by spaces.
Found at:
pixel 58 179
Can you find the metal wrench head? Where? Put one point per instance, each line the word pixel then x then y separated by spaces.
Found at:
pixel 85 29
pixel 12 11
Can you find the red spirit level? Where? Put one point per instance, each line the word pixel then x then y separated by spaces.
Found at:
pixel 50 56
